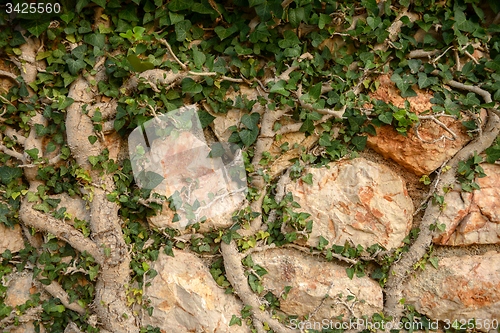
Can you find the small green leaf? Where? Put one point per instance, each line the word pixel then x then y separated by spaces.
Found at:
pixel 36 27
pixel 198 58
pixel 350 272
pixel 307 126
pixel 8 174
pixel 95 39
pixel 434 261
pixel 279 88
pixel 178 5
pixel 424 81
pixel 101 3
pixel 191 86
pixel 205 118
pixel 250 120
pixel 182 30
pixel 359 142
pixel 235 321
pixel 79 51
pixel 138 65
pixel 33 153
pixel 324 20
pixel 386 118
pixel 92 139
pixel 308 179
pixel 248 137
pixel 75 65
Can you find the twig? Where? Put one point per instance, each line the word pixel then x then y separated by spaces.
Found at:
pixel 10 75
pixel 421 54
pixel 164 42
pixel 437 121
pixel 13 153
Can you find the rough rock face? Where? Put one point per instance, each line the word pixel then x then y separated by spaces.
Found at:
pixel 186 298
pixel 11 239
pixel 408 151
pixel 19 290
pixel 311 280
pixel 474 218
pixel 355 200
pixel 462 288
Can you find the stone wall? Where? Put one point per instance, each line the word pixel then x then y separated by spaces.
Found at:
pixel 372 199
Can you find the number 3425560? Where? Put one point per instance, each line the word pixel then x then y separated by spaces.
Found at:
pixel 33 8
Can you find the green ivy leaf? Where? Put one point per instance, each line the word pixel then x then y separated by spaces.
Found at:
pixel 198 58
pixel 101 3
pixel 32 153
pixel 434 261
pixel 79 51
pixel 279 88
pixel 138 65
pixel 8 174
pixel 359 142
pixel 235 321
pixel 205 118
pixel 404 84
pixel 424 81
pixel 75 65
pixel 386 118
pixel 92 139
pixel 248 137
pixel 191 86
pixel 178 5
pixel 493 153
pixel 461 22
pixel 324 20
pixel 350 272
pixel 307 126
pixel 251 120
pixel 182 30
pixel 95 39
pixel 308 179
pixel 36 27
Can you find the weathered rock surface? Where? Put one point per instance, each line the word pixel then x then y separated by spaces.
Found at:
pixel 20 287
pixel 419 156
pixel 11 238
pixel 461 288
pixel 473 218
pixel 355 200
pixel 186 298
pixel 312 279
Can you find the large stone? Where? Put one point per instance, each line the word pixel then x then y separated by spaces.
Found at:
pixel 424 155
pixel 473 218
pixel 11 238
pixel 20 287
pixel 186 298
pixel 318 286
pixel 462 288
pixel 355 200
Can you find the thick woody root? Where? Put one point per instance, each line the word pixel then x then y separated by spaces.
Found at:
pixel 110 300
